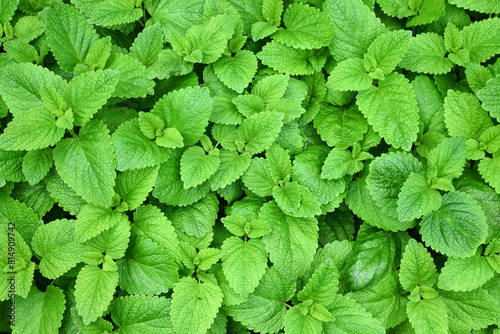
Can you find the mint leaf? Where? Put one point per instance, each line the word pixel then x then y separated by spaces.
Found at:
pixel 258 178
pixel 349 74
pixel 482 6
pixel 232 166
pixel 8 10
pixel 260 130
pixel 271 87
pixel 426 54
pixel 93 219
pixel 244 263
pixel 457 228
pixel 447 160
pixel 387 50
pixel 56 244
pixel 340 163
pixel 133 186
pixel 36 164
pixel 142 313
pixel 322 286
pixel 94 290
pixel 194 305
pixel 265 310
pixel 481 44
pixel 147 269
pixel 489 96
pixel 114 12
pixel 196 166
pixel 288 196
pixel 417 198
pixel 133 80
pixel 236 72
pixel 297 322
pixel 87 164
pixel 487 168
pixel 391 97
pixel 286 59
pixel 69 35
pixel 292 241
pixel 148 44
pixel 465 274
pixel 305 28
pixel 428 316
pixel 417 267
pixel 40 312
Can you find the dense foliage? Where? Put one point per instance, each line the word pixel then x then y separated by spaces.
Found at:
pixel 237 166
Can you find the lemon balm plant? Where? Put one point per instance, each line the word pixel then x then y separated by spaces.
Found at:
pixel 250 166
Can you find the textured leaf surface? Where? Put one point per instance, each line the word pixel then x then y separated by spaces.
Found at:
pixel 457 228
pixel 488 168
pixel 350 74
pixel 392 110
pixel 94 290
pixel 114 12
pixel 260 130
pixel 426 54
pixel 133 80
pixel 56 244
pixel 447 160
pixel 417 267
pixel 244 263
pixel 428 316
pixel 465 274
pixel 194 305
pixel 133 186
pixel 232 166
pixel 286 59
pixel 306 28
pixel 417 198
pixel 87 164
pixel 480 38
pixel 94 219
pixel 322 286
pixel 292 241
pixel 197 167
pixel 36 165
pixel 489 96
pixel 236 72
pixel 142 314
pixel 147 269
pixel 40 312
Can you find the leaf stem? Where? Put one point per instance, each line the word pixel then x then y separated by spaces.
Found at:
pixel 72 132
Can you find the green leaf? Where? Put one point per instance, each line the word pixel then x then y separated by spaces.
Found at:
pixel 147 268
pixel 210 39
pixel 392 110
pixel 349 74
pixel 244 263
pixel 236 72
pixel 114 12
pixel 388 173
pixel 322 286
pixel 457 228
pixel 429 11
pixel 355 26
pixel 287 196
pixel 362 204
pixel 297 322
pixel 133 186
pixel 87 164
pixel 112 242
pixel 261 30
pixel 465 274
pixel 339 163
pixel 33 129
pixel 148 44
pixel 488 168
pixel 417 198
pixel 429 99
pixel 176 16
pixel 36 197
pixel 21 52
pixel 40 312
pixel 350 317
pixel 482 6
pixel 489 96
pixel 151 222
pixel 27 222
pixel 169 188
pixel 94 290
pixel 475 309
pixel 196 166
pixel 286 59
pixel 134 150
pixel 55 242
pixel 464 116
pixel 292 241
pixel 36 164
pixel 133 79
pixel 20 86
pixel 491 138
pixel 417 267
pixel 258 178
pixel 208 257
pixel 194 305
pixel 196 219
pixel 69 35
pixel 428 316
pixel 387 50
pixel 94 219
pixel 306 171
pixel 480 37
pixel 232 166
pixel 306 28
pixel 98 54
pixel 271 87
pixel 448 159
pixel 149 314
pixel 88 92
pixel 247 105
pixel 477 76
pixel 384 300
pixel 272 10
pixel 426 54
pixel 65 196
pixel 8 9
pixel 260 130
pixel 279 162
pixel 340 127
pixel 371 259
pixel 265 310
pixel 188 110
